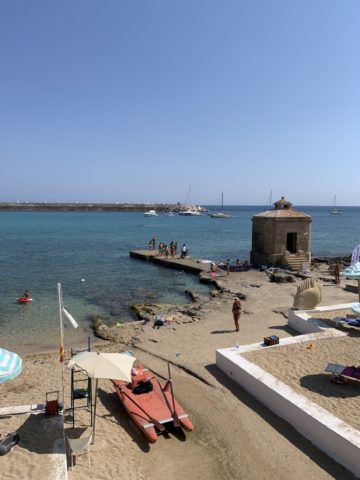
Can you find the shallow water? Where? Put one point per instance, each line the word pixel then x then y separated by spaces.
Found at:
pixel 39 249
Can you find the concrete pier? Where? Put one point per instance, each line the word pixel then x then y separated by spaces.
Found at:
pixel 188 264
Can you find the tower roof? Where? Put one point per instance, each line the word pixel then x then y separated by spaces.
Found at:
pixel 282 209
pixel 282 203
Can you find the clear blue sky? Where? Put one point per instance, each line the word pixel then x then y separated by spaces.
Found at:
pixel 135 100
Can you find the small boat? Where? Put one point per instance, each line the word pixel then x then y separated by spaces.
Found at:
pixel 150 213
pixel 188 209
pixel 169 214
pixel 190 213
pixel 151 405
pixel 24 300
pixel 335 210
pixel 220 214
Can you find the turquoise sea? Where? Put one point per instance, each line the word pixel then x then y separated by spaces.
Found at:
pixel 88 253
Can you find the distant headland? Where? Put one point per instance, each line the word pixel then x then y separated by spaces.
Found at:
pixel 88 207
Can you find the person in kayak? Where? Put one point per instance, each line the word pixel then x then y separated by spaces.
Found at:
pixel 26 294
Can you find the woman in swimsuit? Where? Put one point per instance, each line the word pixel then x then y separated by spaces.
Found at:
pixel 236 311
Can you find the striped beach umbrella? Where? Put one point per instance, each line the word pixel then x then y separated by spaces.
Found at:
pixel 10 365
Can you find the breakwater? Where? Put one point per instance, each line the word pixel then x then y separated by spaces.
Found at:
pixel 86 207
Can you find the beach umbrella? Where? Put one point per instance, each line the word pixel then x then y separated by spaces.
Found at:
pixel 10 365
pixel 355 257
pixel 112 366
pixel 353 273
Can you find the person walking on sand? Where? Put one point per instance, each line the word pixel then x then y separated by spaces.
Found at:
pixel 236 311
pixel 337 275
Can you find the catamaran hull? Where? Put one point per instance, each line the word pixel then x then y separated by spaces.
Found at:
pixel 154 411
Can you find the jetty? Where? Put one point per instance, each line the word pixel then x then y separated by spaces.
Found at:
pixel 190 264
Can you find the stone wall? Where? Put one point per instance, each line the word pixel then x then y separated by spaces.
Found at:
pixel 269 238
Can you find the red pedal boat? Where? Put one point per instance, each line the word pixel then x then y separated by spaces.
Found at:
pixel 24 300
pixel 151 406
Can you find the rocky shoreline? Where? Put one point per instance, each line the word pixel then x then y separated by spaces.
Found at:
pixel 157 315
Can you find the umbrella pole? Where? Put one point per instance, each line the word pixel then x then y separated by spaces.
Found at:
pixel 96 387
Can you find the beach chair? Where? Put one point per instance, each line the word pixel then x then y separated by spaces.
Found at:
pixel 351 372
pixel 79 445
pixel 351 322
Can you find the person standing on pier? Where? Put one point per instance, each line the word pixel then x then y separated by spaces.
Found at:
pixel 184 251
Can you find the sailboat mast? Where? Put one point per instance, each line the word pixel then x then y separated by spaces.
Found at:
pixel 222 200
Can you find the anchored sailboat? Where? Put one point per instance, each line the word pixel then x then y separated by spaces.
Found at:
pixel 335 210
pixel 220 214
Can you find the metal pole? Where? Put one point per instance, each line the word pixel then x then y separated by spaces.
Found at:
pixel 96 386
pixel 61 341
pixel 175 415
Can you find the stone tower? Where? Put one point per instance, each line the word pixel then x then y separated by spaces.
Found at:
pixel 281 237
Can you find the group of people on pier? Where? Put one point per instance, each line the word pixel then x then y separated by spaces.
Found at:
pixel 170 250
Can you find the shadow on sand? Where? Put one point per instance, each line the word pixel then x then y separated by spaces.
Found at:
pixel 222 331
pixel 282 426
pixel 285 328
pixel 119 415
pixel 42 435
pixel 321 384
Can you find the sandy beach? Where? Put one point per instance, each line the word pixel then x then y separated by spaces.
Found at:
pixel 235 436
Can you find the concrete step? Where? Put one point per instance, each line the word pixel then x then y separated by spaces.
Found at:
pixel 295 262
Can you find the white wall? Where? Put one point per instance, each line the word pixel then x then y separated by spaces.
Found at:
pixel 330 434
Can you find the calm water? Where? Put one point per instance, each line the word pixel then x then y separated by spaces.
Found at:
pixel 37 250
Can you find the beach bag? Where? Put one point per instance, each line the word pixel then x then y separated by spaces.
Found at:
pixel 273 340
pixel 143 387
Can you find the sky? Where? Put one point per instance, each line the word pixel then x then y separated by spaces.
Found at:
pixel 146 100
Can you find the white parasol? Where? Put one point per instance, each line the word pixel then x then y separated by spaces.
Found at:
pixel 115 366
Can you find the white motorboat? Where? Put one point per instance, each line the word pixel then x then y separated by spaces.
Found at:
pixel 150 213
pixel 169 214
pixel 189 210
pixel 190 213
